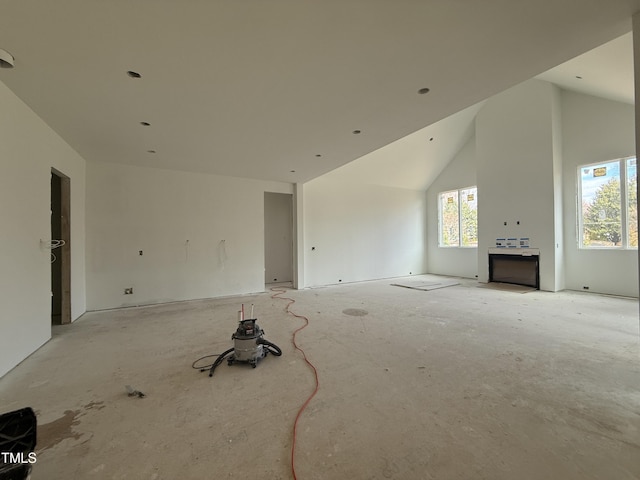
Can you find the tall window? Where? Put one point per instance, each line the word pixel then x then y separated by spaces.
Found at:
pixel 458 218
pixel 608 204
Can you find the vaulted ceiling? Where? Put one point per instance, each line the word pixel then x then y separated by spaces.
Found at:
pixel 281 90
pixel 416 160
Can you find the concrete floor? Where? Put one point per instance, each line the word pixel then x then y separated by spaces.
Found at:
pixel 455 383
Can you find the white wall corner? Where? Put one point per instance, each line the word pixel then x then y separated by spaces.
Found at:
pixel 298 238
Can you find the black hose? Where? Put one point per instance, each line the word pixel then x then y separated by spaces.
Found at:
pixel 202 368
pixel 271 347
pixel 219 360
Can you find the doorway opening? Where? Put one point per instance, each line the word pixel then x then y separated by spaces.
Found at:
pixel 278 238
pixel 60 256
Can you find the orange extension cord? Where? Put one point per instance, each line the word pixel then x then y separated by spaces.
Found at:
pixel 291 301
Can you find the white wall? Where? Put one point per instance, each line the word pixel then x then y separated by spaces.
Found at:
pixel 515 148
pixel 361 231
pixel 201 235
pixel 558 189
pixel 298 236
pixel 541 135
pixel 28 151
pixel 460 173
pixel 595 130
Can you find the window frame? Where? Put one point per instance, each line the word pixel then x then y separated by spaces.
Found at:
pixel 624 205
pixel 458 192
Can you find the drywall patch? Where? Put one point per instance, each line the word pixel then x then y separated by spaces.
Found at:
pixel 355 312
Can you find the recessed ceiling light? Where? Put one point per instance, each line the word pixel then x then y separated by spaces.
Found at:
pixel 151 151
pixel 424 90
pixel 133 74
pixel 146 124
pixel 356 132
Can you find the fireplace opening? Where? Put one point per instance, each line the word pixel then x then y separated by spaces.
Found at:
pixel 515 269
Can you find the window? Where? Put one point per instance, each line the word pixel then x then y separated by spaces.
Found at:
pixel 608 210
pixel 458 218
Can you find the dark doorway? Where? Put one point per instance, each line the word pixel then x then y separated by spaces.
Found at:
pixel 278 237
pixel 60 248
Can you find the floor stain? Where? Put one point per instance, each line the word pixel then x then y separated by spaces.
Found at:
pixel 355 312
pixel 52 433
pixel 97 405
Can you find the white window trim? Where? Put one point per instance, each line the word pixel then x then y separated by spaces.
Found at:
pixel 624 205
pixel 440 210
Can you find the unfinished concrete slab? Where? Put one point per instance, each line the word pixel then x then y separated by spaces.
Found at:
pixel 464 382
pixel 427 283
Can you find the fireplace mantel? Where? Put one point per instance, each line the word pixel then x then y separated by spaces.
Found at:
pixel 525 252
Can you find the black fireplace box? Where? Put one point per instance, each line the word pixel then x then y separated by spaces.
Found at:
pixel 515 268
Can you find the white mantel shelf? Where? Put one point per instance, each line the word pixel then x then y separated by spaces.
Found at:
pixel 524 252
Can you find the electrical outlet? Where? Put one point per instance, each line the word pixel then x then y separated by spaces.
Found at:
pixel 128 291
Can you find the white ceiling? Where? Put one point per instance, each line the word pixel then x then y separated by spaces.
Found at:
pixel 258 88
pixel 418 158
pixel 415 161
pixel 606 71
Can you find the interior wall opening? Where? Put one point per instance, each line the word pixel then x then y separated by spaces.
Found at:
pixel 60 248
pixel 278 238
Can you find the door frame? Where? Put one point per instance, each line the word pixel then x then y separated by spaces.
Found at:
pixel 63 253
